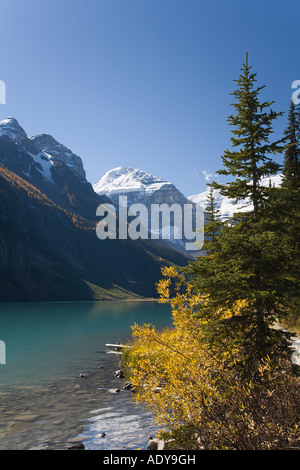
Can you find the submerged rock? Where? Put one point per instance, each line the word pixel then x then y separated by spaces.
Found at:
pixel 119 374
pixel 27 417
pixel 153 444
pixel 79 446
pixel 128 386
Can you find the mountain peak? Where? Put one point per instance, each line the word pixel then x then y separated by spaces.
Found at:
pixel 47 144
pixel 11 128
pixel 128 179
pixel 43 146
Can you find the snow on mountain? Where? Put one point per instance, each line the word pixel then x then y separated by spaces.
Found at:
pixel 44 165
pixel 43 149
pixel 136 184
pixel 50 167
pixel 144 188
pixel 11 128
pixel 32 160
pixel 227 206
pixel 57 151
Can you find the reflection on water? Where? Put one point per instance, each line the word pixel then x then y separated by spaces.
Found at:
pixel 44 403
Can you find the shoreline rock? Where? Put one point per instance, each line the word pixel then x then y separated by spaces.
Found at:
pixel 119 374
pixel 79 446
pixel 159 444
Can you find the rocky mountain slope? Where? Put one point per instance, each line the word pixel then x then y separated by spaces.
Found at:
pixel 48 246
pixel 137 185
pixel 52 173
pixel 143 188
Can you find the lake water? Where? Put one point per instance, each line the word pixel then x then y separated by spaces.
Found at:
pixel 44 403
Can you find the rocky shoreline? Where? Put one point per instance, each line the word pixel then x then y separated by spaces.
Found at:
pixel 92 410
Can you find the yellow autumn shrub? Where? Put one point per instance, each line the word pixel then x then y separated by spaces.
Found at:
pixel 194 392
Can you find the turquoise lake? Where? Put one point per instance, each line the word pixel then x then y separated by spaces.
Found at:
pixel 44 401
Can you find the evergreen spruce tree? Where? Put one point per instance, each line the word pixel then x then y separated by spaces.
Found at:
pixel 251 156
pixel 213 222
pixel 291 169
pixel 225 378
pixel 291 201
pixel 246 278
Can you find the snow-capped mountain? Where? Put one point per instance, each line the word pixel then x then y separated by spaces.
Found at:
pixel 143 188
pixel 22 156
pixel 136 185
pixel 44 150
pixel 57 151
pixel 49 166
pixel 48 246
pixel 11 128
pixel 228 207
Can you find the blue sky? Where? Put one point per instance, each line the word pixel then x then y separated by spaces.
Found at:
pixel 143 83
